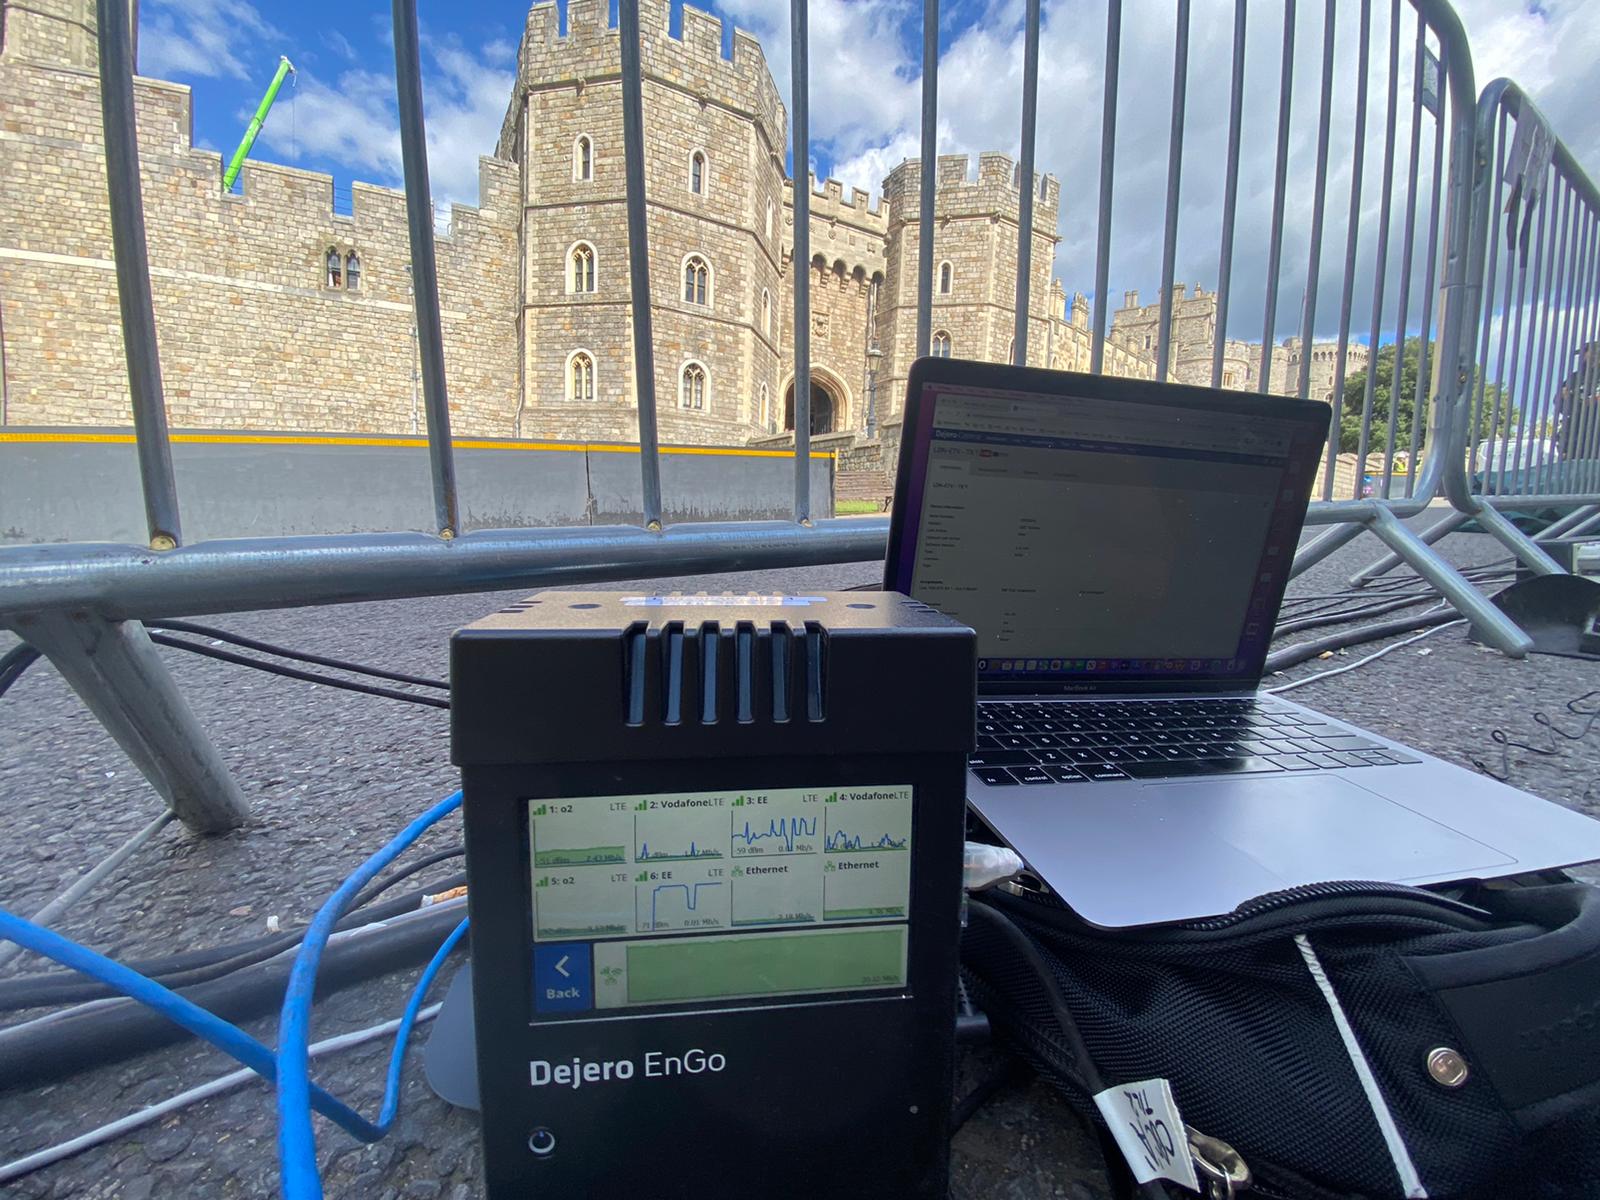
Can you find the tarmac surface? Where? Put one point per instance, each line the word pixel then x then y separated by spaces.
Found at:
pixel 332 775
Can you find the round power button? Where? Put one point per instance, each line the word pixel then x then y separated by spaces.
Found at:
pixel 542 1142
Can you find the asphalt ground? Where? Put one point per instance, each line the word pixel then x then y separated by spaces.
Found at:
pixel 331 775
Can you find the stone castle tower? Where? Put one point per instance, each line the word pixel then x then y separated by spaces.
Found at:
pixel 715 135
pixel 975 263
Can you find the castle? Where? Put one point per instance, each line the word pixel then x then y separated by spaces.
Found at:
pixel 274 311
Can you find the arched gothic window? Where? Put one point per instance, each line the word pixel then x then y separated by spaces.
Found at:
pixel 335 268
pixel 947 274
pixel 697 173
pixel 580 376
pixel 581 272
pixel 696 280
pixel 583 159
pixel 940 346
pixel 693 386
pixel 352 272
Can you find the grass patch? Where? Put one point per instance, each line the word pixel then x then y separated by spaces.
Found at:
pixel 855 508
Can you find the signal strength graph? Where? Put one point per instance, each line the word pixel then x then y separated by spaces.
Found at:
pixel 691 897
pixel 781 829
pixel 841 841
pixel 694 851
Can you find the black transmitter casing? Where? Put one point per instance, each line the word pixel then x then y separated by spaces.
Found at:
pixel 851 696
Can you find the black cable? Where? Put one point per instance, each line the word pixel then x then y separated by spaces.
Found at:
pixel 1089 1079
pixel 194 967
pixel 222 635
pixel 1298 653
pixel 348 685
pixel 378 887
pixel 1344 616
pixel 17 660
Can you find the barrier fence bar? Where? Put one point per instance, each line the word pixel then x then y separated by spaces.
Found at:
pixel 1351 244
pixel 133 276
pixel 644 360
pixel 1169 234
pixel 1458 198
pixel 1230 195
pixel 1379 275
pixel 800 77
pixel 424 268
pixel 930 171
pixel 1108 148
pixel 1025 184
pixel 1308 305
pixel 1280 178
pixel 1407 252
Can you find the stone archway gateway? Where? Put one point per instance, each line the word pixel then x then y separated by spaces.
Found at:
pixel 827 406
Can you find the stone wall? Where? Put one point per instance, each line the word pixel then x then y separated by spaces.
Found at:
pixel 249 332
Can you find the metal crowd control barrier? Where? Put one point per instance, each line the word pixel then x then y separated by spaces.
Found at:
pixel 83 605
pixel 1529 432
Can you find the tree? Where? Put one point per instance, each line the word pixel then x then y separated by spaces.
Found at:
pixel 1355 391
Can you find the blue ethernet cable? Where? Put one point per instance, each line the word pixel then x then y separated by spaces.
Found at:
pixel 297 1149
pixel 224 1036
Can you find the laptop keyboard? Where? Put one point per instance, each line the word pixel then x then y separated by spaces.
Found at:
pixel 1040 741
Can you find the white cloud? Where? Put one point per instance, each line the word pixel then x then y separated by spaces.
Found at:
pixel 865 90
pixel 352 120
pixel 199 37
pixel 339 44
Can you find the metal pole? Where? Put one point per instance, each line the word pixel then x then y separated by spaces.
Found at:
pixel 1169 236
pixel 118 674
pixel 1108 154
pixel 1407 253
pixel 256 122
pixel 133 275
pixel 929 180
pixel 1025 187
pixel 1382 265
pixel 1319 204
pixel 800 81
pixel 1351 242
pixel 1430 271
pixel 1230 194
pixel 1269 332
pixel 644 363
pixel 425 270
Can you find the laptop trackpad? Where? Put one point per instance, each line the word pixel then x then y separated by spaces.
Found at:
pixel 1311 828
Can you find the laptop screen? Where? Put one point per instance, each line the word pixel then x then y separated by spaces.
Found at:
pixel 1101 540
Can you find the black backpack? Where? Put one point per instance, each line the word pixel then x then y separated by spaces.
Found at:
pixel 1345 1040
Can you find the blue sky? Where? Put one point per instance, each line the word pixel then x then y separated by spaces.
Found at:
pixel 337 115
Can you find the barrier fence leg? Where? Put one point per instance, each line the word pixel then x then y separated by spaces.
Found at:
pixel 1584 526
pixel 1325 543
pixel 1427 537
pixel 1536 560
pixel 1578 518
pixel 118 673
pixel 1492 625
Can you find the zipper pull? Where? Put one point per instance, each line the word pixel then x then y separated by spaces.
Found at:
pixel 1221 1169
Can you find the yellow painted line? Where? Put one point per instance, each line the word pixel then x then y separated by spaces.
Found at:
pixel 270 439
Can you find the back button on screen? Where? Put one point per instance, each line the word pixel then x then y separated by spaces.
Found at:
pixel 562 978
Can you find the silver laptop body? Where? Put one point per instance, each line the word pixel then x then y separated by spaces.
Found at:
pixel 1122 550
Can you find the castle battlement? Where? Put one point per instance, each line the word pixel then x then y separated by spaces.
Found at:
pixel 828 203
pixel 590 52
pixel 992 190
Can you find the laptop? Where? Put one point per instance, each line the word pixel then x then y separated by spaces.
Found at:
pixel 1122 549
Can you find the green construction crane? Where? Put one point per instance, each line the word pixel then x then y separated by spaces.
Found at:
pixel 285 68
